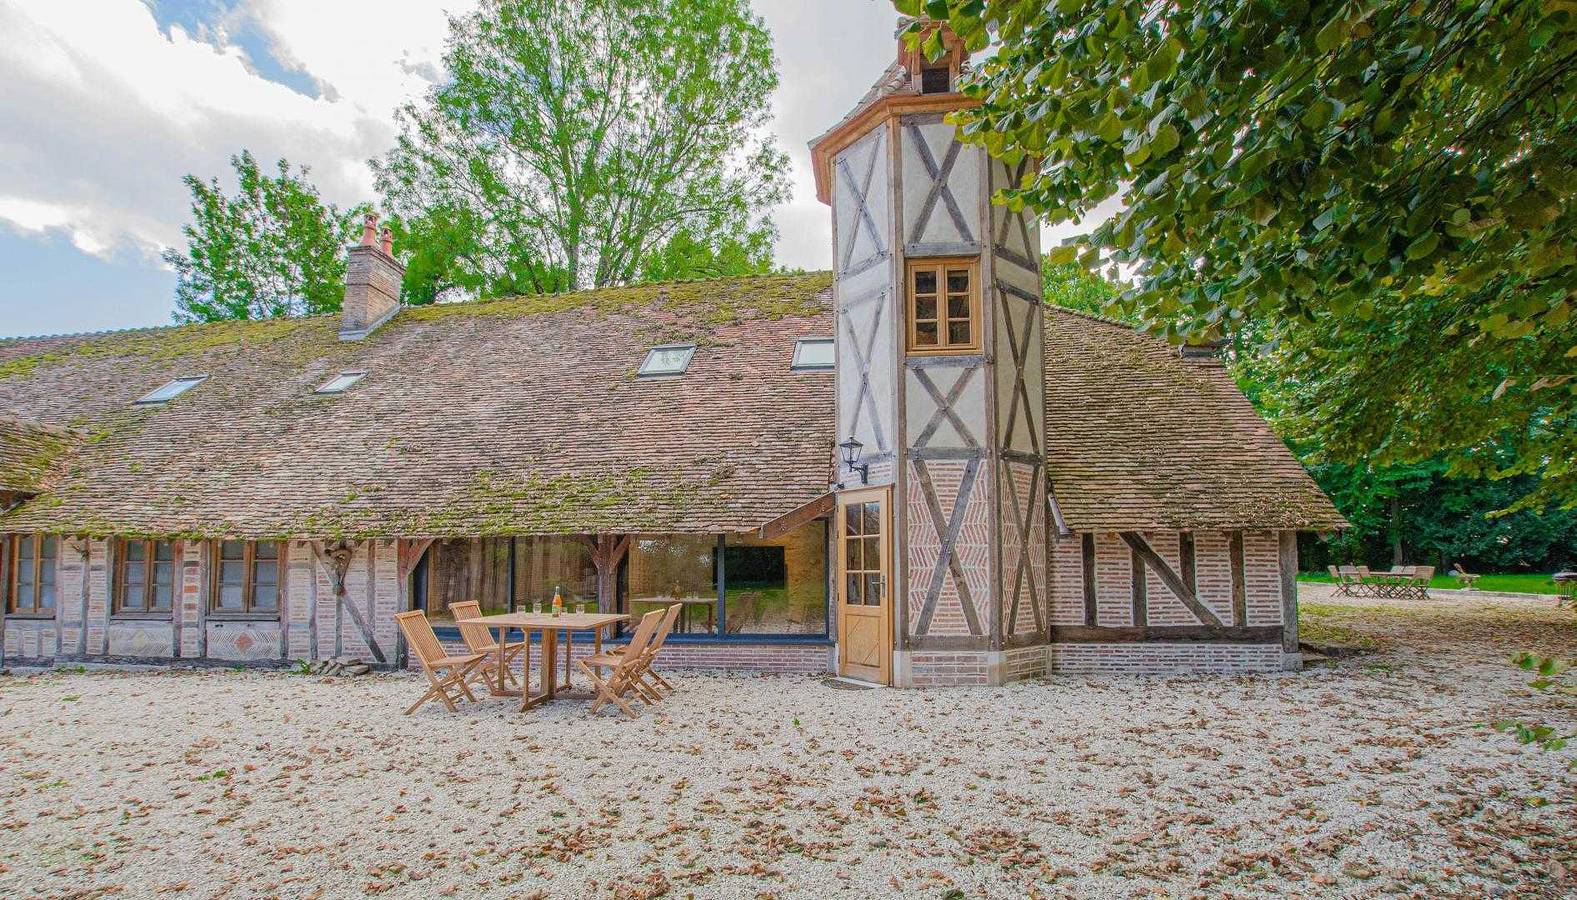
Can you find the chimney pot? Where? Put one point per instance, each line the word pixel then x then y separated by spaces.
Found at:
pixel 369 229
pixel 387 240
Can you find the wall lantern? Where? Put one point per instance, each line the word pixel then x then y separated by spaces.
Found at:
pixel 851 459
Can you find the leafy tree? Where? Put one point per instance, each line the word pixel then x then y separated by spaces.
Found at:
pixel 686 256
pixel 274 249
pixel 584 136
pixel 444 255
pixel 1387 186
pixel 1072 286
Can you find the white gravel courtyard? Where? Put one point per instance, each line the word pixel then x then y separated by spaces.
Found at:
pixel 1371 776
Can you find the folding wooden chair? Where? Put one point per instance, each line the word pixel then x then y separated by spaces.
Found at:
pixel 663 630
pixel 446 675
pixel 624 669
pixel 479 639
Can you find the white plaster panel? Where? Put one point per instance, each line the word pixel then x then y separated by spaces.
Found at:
pixel 148 640
pixel 243 641
pixel 969 407
pixel 862 167
pixel 933 223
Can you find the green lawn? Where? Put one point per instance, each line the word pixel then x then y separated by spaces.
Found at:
pixel 1516 583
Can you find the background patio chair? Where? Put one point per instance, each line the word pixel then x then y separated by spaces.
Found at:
pixel 1353 577
pixel 1462 575
pixel 1340 581
pixel 1420 581
pixel 446 675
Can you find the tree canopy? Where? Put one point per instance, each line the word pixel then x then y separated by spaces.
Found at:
pixel 1381 191
pixel 274 249
pixel 574 142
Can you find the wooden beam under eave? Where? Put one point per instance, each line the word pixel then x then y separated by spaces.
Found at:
pixel 818 508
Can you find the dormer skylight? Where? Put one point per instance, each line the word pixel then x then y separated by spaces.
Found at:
pixel 813 354
pixel 668 359
pixel 341 383
pixel 171 389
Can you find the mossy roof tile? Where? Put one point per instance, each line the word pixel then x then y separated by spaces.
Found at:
pixel 1140 438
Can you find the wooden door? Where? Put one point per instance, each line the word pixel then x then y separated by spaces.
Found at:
pixel 865 641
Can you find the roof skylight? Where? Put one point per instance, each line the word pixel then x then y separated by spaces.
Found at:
pixel 668 359
pixel 811 354
pixel 171 389
pixel 341 383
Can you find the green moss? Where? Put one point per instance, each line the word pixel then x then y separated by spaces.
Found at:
pixel 697 305
pixel 496 504
pixel 29 456
pixel 162 345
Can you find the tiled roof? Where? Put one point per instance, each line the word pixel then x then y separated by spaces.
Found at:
pixel 1139 437
pixel 526 416
pixel 32 456
pixel 509 416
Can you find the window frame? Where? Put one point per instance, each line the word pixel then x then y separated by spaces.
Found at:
pixel 249 563
pixel 12 571
pixel 187 382
pixel 939 266
pixel 796 366
pixel 689 357
pixel 149 563
pixel 355 376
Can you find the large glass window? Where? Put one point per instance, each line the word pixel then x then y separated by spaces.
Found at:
pixel 547 564
pixel 774 586
pixel 246 577
pixel 30 574
pixel 480 569
pixel 777 585
pixel 144 576
pixel 675 569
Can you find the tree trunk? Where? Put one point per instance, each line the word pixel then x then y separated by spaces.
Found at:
pixel 1396 532
pixel 607 551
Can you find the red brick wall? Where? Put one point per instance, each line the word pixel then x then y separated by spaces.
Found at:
pixel 1164 658
pixel 928 668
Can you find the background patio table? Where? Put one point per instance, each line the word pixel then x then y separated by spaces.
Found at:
pixel 550 626
pixel 684 621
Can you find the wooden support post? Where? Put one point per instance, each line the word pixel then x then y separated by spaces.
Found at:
pixel 1087 551
pixel 1239 585
pixel 1289 590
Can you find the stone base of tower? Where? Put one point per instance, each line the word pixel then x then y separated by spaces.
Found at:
pixel 966 668
pixel 1169 658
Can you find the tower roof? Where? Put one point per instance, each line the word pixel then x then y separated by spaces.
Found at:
pixel 900 89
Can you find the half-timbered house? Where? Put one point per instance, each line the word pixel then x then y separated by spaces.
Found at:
pixel 909 471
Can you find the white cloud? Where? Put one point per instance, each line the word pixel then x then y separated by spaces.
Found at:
pixel 105 112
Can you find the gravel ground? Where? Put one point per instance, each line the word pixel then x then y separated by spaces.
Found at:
pixel 1370 776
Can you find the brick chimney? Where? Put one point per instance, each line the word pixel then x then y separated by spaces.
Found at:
pixel 372 282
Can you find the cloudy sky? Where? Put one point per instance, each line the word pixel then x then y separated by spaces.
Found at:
pixel 108 103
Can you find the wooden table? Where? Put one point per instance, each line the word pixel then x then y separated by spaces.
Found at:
pixel 550 626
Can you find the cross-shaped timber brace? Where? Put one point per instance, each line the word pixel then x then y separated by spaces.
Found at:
pixel 335 557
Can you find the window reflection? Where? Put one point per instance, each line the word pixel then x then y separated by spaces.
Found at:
pixel 777 585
